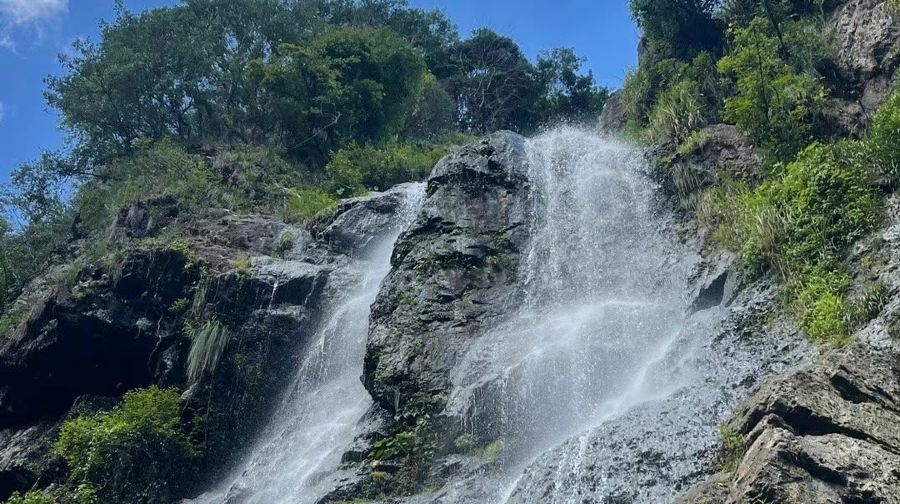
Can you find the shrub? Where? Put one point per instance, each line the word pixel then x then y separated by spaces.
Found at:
pixel 677 112
pixel 303 203
pixel 733 448
pixel 33 497
pixel 884 140
pixel 135 453
pixel 358 168
pixel 813 209
pixel 818 300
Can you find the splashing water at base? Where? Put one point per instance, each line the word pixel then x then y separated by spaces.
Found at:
pixel 298 457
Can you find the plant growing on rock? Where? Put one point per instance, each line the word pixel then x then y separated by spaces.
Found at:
pixel 33 497
pixel 137 452
pixel 208 342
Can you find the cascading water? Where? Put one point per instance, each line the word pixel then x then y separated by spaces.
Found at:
pixel 604 303
pixel 600 370
pixel 299 454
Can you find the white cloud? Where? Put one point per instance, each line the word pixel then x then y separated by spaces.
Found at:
pixel 28 15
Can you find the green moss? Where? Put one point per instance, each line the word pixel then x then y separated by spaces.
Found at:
pixel 241 264
pixel 493 451
pixel 137 452
pixel 733 448
pixel 464 443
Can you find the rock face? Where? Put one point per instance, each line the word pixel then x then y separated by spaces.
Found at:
pixel 102 329
pixel 614 117
pixel 453 271
pixel 717 150
pixel 867 36
pixel 828 434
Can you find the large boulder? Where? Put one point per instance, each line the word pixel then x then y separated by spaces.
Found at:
pixel 454 272
pixel 828 434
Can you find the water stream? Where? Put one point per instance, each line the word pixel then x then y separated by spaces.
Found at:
pixel 604 329
pixel 297 457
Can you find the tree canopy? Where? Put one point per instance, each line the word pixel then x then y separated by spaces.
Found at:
pixel 300 79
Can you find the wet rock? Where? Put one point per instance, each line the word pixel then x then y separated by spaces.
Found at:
pixel 357 222
pixel 827 434
pixel 96 337
pixel 660 447
pixel 614 117
pixel 453 272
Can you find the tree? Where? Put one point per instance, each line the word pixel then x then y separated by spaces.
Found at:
pixel 679 28
pixel 773 102
pixel 492 83
pixel 348 84
pixel 567 94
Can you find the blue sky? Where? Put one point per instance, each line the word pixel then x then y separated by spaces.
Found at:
pixel 33 32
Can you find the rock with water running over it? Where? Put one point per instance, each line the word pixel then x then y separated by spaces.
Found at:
pixel 827 434
pixel 453 271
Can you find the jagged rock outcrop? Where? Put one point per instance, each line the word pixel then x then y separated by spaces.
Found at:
pixel 714 152
pixel 827 434
pixel 867 35
pixel 454 271
pixel 357 222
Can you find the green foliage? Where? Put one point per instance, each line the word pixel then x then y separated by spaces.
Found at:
pixel 361 167
pixel 884 140
pixel 493 451
pixel 492 84
pixel 33 497
pixel 776 104
pixel 733 448
pixel 677 112
pixel 678 28
pixel 303 203
pixel 673 98
pixel 208 342
pixel 818 300
pixel 348 84
pixel 135 453
pixel 566 94
pixel 464 443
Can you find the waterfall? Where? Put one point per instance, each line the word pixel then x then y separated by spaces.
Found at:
pixel 602 340
pixel 298 457
pixel 604 289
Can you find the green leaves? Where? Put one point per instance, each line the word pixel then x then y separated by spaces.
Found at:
pixel 135 453
pixel 773 102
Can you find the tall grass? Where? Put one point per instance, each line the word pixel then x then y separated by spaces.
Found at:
pixel 208 342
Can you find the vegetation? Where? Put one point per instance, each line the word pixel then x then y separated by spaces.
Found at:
pixel 137 452
pixel 815 194
pixel 267 106
pixel 34 497
pixel 733 448
pixel 208 342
